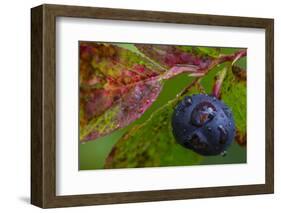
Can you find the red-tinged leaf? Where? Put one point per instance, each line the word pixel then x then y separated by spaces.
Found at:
pixel 240 74
pixel 171 55
pixel 116 87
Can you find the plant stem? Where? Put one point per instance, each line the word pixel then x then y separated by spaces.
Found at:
pixel 221 75
pixel 218 82
pixel 221 59
pixel 224 58
pixel 196 71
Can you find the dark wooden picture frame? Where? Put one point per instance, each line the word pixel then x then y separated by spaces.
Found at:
pixel 43 105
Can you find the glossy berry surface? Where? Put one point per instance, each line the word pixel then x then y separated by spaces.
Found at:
pixel 203 124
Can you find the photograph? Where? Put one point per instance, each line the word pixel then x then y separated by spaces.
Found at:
pixel 145 105
pixel 160 105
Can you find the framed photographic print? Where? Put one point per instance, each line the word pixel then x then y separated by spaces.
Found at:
pixel 136 106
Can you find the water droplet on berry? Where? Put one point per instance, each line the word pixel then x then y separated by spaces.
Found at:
pixel 223 134
pixel 227 112
pixel 223 154
pixel 209 129
pixel 203 113
pixel 196 142
pixel 188 101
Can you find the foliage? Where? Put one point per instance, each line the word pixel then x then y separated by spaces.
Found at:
pixel 119 83
pixel 116 87
pixel 152 144
pixel 233 93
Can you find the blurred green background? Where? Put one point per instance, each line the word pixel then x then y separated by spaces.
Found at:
pixel 92 154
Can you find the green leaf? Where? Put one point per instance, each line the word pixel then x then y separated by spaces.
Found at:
pixel 210 51
pixel 151 144
pixel 234 94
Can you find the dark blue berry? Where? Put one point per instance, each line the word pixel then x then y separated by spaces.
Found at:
pixel 203 124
